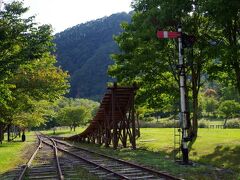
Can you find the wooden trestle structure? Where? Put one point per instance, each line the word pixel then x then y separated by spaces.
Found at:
pixel 115 120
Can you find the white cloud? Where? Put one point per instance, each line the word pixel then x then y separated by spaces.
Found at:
pixel 66 13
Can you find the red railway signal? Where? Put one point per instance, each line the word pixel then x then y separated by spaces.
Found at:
pixel 167 34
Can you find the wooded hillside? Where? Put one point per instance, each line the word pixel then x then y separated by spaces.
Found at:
pixel 84 50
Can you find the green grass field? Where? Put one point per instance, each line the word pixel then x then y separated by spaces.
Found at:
pixel 220 147
pixel 216 152
pixel 11 153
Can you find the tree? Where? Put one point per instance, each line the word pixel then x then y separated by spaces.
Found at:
pixel 92 106
pixel 35 116
pixel 152 63
pixel 225 20
pixel 73 116
pixel 41 79
pixel 229 109
pixel 27 69
pixel 37 84
pixel 211 105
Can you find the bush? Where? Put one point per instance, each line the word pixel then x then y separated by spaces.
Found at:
pixel 229 108
pixel 203 124
pixel 233 123
pixel 159 124
pixel 149 119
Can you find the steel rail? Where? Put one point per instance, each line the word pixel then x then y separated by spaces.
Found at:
pixel 60 174
pixel 30 160
pixel 122 161
pixel 90 162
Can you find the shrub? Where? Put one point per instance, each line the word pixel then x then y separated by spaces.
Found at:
pixel 233 123
pixel 159 124
pixel 203 124
pixel 149 119
pixel 229 108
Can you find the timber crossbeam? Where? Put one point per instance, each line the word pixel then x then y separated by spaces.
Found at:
pixel 115 121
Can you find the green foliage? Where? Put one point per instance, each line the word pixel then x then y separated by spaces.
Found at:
pixel 152 62
pixel 73 112
pixel 229 93
pixel 73 116
pixel 40 79
pixel 34 116
pixel 141 61
pixel 92 106
pixel 211 105
pixel 225 22
pixel 28 76
pixel 230 108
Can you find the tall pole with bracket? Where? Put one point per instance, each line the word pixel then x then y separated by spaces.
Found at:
pixel 184 114
pixel 183 98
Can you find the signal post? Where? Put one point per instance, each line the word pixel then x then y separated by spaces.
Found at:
pixel 184 113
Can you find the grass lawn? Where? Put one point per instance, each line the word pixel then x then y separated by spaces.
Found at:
pixel 65 131
pixel 213 148
pixel 219 147
pixel 11 153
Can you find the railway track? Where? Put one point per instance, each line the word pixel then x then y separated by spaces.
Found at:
pixel 107 167
pixel 43 164
pixel 55 159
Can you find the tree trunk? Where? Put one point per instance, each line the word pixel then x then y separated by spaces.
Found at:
pixel 194 128
pixel 193 131
pixel 23 136
pixel 1 132
pixel 237 72
pixel 8 132
pixel 225 123
pixel 74 128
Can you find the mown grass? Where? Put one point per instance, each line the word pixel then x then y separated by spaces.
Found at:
pixel 213 148
pixel 65 131
pixel 218 147
pixel 11 153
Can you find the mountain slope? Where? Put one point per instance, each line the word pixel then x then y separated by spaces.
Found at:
pixel 84 51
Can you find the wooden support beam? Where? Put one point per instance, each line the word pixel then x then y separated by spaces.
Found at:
pixel 115 143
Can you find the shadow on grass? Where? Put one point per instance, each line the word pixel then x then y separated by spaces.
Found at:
pixel 224 157
pixel 9 144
